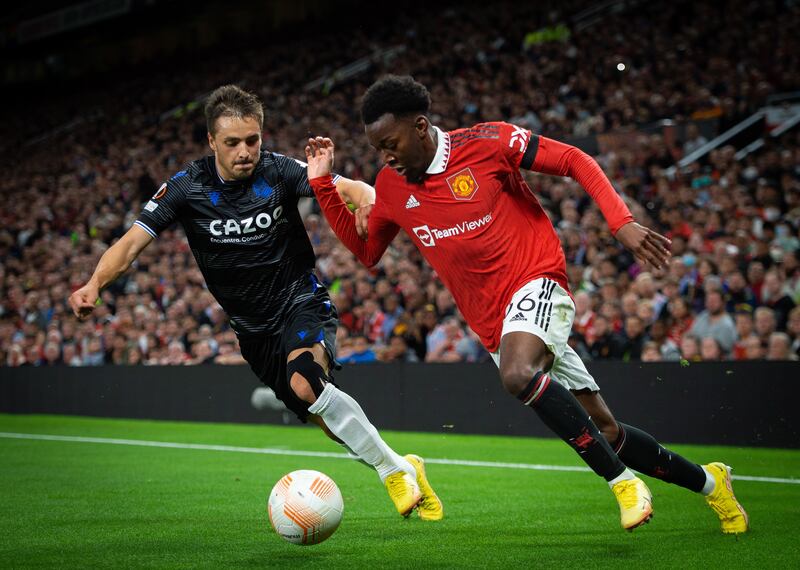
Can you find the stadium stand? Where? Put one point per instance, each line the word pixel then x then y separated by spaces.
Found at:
pixel 652 84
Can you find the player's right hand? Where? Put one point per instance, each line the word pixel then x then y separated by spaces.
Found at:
pixel 83 301
pixel 319 156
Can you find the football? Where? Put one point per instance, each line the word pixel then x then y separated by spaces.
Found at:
pixel 305 507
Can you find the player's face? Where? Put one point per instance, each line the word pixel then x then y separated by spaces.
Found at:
pixel 404 144
pixel 236 145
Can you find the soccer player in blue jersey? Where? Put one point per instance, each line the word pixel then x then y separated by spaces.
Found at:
pixel 238 208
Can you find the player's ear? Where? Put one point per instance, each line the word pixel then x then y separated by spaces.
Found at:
pixel 421 125
pixel 211 142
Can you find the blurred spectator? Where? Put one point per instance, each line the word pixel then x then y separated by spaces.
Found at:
pixel 470 348
pixel 604 345
pixel 360 352
pixel 715 322
pixel 632 339
pixel 202 353
pixel 584 315
pixel 443 342
pixel 793 328
pixel 690 348
pixel 644 286
pixel 738 296
pixel 765 323
pixel 744 330
pixel 392 311
pixel 774 296
pixel 650 352
pixel 630 304
pixel 445 305
pixel 667 348
pixel 780 347
pixel 16 356
pixel 52 355
pixel 693 140
pixel 680 319
pixel 372 321
pixel 424 323
pixel 229 354
pixel 93 354
pixel 70 355
pixel 753 349
pixel 710 349
pixel 176 354
pixel 397 351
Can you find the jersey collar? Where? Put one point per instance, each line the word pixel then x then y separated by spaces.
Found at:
pixel 442 155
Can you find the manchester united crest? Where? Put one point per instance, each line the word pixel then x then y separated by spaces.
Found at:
pixel 463 184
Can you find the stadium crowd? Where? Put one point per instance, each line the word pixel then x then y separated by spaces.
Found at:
pixel 732 289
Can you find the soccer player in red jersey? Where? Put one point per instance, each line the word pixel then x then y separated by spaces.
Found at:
pixel 460 197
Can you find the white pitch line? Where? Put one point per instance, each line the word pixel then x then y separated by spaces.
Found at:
pixel 332 455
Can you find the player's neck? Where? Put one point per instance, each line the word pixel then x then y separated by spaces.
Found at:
pixel 221 175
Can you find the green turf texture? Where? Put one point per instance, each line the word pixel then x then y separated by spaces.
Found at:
pixel 89 505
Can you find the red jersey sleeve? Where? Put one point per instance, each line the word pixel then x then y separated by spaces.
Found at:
pixel 557 158
pixel 381 229
pixel 516 145
pixel 522 149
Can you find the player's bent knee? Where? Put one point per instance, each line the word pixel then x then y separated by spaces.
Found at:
pixel 516 377
pixel 306 377
pixel 302 389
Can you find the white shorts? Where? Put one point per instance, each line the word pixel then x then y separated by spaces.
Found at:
pixel 543 308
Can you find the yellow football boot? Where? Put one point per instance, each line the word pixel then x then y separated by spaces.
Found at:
pixel 430 507
pixel 403 491
pixel 732 516
pixel 635 503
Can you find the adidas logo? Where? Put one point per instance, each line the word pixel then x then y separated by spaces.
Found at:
pixel 518 317
pixel 412 203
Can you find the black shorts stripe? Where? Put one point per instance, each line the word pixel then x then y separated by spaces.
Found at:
pixel 543 292
pixel 539 313
pixel 549 312
pixel 552 288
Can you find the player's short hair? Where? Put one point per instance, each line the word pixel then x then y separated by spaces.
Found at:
pixel 396 94
pixel 232 101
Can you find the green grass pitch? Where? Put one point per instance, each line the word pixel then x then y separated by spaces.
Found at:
pixel 72 504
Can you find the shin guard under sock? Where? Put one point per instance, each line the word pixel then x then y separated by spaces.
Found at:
pixel 347 421
pixel 639 450
pixel 563 414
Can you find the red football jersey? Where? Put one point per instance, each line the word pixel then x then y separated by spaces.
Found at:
pixel 475 219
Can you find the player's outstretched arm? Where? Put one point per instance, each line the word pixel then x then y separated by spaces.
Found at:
pixel 553 157
pixel 114 262
pixel 351 230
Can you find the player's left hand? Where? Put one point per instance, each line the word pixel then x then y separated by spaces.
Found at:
pixel 362 221
pixel 319 156
pixel 646 245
